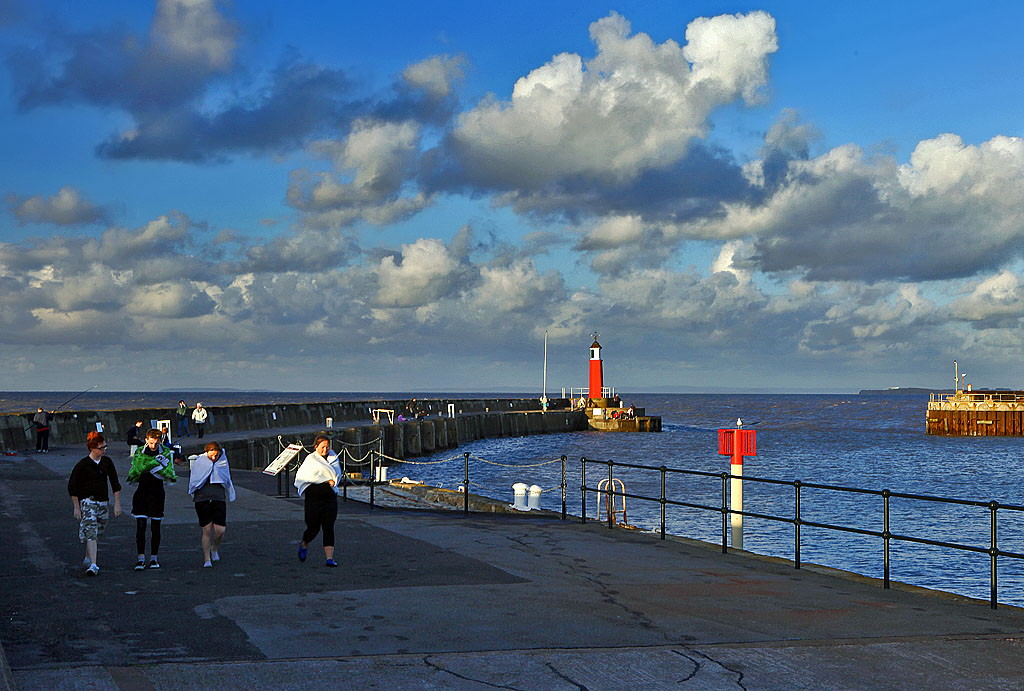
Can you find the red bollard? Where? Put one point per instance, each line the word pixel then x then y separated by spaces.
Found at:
pixel 737 443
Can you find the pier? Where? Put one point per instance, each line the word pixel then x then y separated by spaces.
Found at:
pixel 976 414
pixel 441 600
pixel 250 433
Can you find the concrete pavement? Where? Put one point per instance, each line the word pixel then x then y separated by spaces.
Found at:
pixel 436 600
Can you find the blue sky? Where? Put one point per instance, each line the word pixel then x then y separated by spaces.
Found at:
pixel 398 196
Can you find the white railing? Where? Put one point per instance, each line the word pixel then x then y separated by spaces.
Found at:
pixel 584 392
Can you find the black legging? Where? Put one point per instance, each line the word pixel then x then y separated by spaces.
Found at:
pixel 321 512
pixel 140 536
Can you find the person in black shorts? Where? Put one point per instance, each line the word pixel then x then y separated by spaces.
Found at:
pixel 152 466
pixel 211 488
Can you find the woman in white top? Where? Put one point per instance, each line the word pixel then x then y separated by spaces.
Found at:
pixel 317 481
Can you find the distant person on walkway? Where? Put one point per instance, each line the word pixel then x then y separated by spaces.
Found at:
pixel 133 439
pixel 199 416
pixel 90 498
pixel 413 409
pixel 183 414
pixel 211 488
pixel 152 466
pixel 42 422
pixel 317 481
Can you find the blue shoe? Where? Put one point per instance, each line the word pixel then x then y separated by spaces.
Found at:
pixel 302 553
pixel 331 563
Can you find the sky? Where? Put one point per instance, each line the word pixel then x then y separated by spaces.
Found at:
pixel 398 196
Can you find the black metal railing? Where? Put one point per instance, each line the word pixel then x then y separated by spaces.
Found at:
pixel 796 519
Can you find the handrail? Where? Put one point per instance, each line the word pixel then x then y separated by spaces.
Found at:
pixel 797 521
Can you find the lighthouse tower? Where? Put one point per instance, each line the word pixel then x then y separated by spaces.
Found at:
pixel 596 370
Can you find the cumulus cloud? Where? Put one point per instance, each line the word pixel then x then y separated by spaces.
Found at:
pixel 634 106
pixel 952 211
pixel 377 160
pixel 424 272
pixel 66 208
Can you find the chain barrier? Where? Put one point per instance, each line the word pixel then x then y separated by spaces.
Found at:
pixel 515 465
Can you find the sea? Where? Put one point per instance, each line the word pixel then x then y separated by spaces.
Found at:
pixel 872 442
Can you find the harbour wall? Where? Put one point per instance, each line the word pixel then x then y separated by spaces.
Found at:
pixel 976 414
pixel 250 435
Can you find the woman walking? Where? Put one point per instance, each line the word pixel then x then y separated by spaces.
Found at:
pixel 211 488
pixel 90 498
pixel 317 481
pixel 152 466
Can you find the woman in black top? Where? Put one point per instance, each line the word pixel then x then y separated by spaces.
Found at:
pixel 89 497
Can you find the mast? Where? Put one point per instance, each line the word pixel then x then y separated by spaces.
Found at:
pixel 544 388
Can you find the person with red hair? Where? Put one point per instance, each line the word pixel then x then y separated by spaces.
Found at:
pixel 90 499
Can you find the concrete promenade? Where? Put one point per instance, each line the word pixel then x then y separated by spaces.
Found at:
pixel 435 600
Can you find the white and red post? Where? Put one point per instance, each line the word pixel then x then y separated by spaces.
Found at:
pixel 736 443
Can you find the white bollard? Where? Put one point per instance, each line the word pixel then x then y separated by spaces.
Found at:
pixel 381 472
pixel 534 499
pixel 519 497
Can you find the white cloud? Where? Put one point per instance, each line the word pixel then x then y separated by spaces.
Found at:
pixel 196 31
pixel 427 271
pixel 952 211
pixel 436 75
pixel 636 105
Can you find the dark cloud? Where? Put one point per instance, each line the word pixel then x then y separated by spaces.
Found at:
pixel 66 208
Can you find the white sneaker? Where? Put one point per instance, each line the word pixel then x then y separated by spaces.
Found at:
pixel 214 557
pixel 93 570
pixel 86 563
pixel 208 565
pixel 153 563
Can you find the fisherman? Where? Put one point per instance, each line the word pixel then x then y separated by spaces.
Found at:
pixel 42 422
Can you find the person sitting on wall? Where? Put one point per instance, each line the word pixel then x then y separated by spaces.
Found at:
pixel 631 413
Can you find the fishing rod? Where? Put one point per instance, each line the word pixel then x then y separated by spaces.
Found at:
pixel 74 397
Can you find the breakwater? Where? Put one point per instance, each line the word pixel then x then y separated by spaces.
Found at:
pixel 250 433
pixel 976 414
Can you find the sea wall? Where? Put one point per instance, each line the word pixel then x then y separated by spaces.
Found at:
pixel 254 434
pixel 71 427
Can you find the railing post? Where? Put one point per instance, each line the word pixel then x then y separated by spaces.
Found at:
pixel 344 474
pixel 287 483
pixel 564 514
pixel 465 494
pixel 610 496
pixel 725 512
pixel 663 469
pixel 886 535
pixel 372 483
pixel 796 525
pixel 993 555
pixel 583 489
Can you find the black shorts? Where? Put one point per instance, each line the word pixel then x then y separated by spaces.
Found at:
pixel 212 511
pixel 148 500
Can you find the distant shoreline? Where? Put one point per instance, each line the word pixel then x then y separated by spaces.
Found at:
pixel 903 391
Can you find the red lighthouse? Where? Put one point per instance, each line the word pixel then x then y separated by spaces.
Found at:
pixel 596 370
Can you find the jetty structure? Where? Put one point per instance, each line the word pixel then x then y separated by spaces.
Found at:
pixel 969 413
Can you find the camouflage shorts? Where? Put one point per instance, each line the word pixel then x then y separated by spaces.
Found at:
pixel 94 519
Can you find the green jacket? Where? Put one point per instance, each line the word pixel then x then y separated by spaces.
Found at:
pixel 160 465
